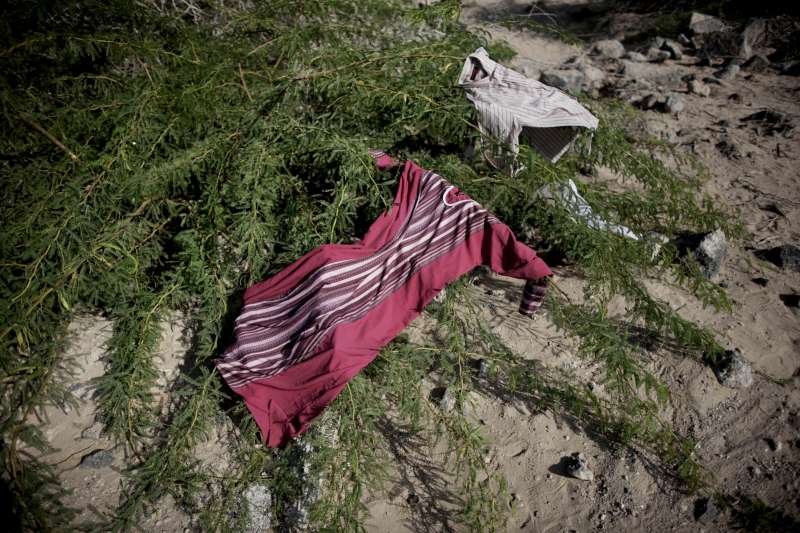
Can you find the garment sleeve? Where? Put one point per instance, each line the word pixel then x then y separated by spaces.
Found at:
pixel 504 254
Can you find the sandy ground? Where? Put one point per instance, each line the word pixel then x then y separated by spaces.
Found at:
pixel 629 493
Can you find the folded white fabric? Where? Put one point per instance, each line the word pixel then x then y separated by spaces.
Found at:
pixel 512 107
pixel 567 193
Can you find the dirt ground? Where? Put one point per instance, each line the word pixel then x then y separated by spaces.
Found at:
pixel 749 438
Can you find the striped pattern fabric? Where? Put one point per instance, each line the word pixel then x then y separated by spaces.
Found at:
pixel 566 192
pixel 533 295
pixel 276 333
pixel 513 108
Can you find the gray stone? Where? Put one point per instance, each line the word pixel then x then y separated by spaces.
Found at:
pixel 733 370
pixel 684 40
pixel 675 103
pixel 636 56
pixel 439 298
pixel 297 516
pixel 699 88
pixel 729 149
pixel 707 249
pixel 569 80
pixel 609 48
pixel 657 42
pixel 93 432
pixel 657 56
pixel 700 24
pixel 649 101
pixel 660 129
pixel 706 510
pixel 673 47
pixel 785 256
pixel 754 36
pixel 757 63
pixel 711 252
pixel 730 44
pixel 259 507
pixel 97 459
pixel 703 59
pixel 481 368
pixel 443 398
pixel 728 73
pixel 791 68
pixel 593 77
pixel 725 44
pixel 576 467
pixel 770 122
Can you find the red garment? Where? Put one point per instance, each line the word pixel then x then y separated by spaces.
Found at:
pixel 309 329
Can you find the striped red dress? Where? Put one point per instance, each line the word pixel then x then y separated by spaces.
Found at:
pixel 309 329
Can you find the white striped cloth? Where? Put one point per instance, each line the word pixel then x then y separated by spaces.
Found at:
pixel 512 107
pixel 567 193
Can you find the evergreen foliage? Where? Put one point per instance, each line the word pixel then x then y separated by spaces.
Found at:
pixel 164 156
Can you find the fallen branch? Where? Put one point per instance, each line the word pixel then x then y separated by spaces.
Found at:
pixel 49 135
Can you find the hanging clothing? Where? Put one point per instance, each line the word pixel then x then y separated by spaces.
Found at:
pixel 309 329
pixel 512 108
pixel 567 193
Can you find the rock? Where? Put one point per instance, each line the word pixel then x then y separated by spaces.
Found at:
pixel 593 77
pixel 733 370
pixel 773 445
pixel 785 256
pixel 297 516
pixel 93 432
pixel 791 68
pixel 675 104
pixel 259 507
pixel 97 459
pixel 635 56
pixel 684 40
pixel 727 73
pixel 569 80
pixel 673 47
pixel 754 36
pixel 725 44
pixel 576 467
pixel 529 68
pixel 770 122
pixel 712 81
pixel 657 42
pixel 609 48
pixel 700 24
pixel 703 59
pixel 708 249
pixel 729 149
pixel 659 129
pixel 481 367
pixel 792 301
pixel 699 88
pixel 649 101
pixel 711 252
pixel 443 398
pixel 706 510
pixel 441 296
pixel 478 274
pixel 657 56
pixel 757 63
